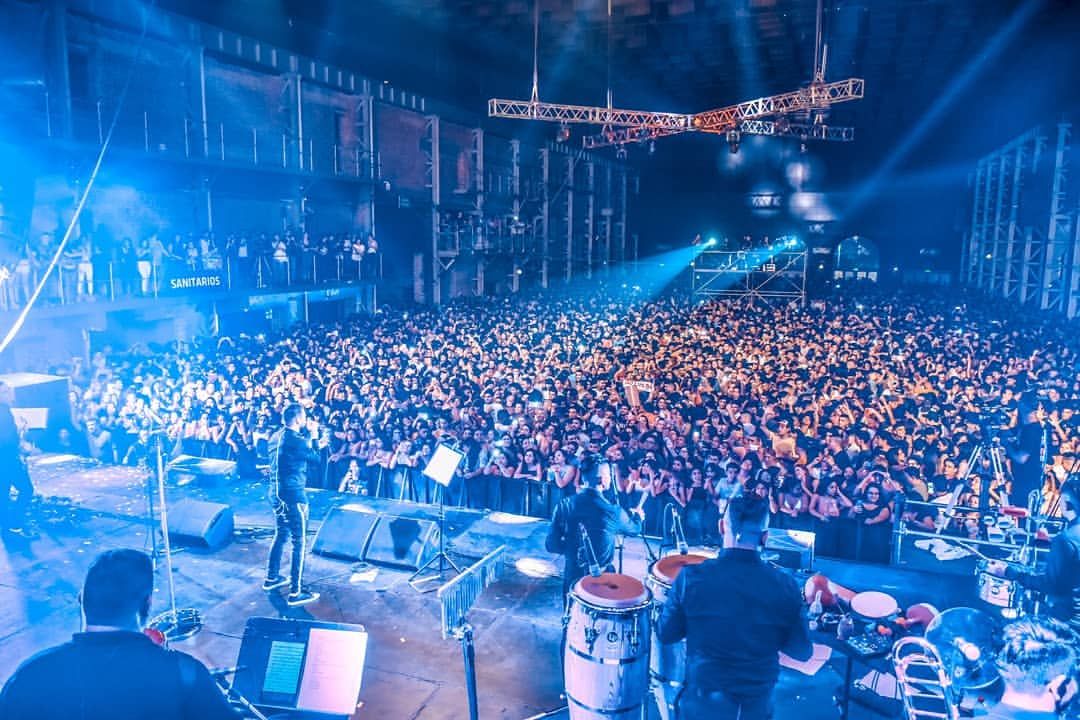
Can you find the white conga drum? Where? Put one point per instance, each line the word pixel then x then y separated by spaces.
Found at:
pixel 667 663
pixel 606 657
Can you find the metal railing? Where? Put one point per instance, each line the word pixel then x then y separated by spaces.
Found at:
pixel 182 137
pixel 83 282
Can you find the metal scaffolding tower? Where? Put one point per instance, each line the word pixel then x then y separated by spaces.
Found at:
pixel 1005 257
pixel 762 275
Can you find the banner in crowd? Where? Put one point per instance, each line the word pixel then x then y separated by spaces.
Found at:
pixel 195 283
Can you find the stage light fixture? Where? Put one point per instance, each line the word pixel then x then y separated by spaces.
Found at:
pixel 733 138
pixel 564 133
pixel 711 242
pixel 652 147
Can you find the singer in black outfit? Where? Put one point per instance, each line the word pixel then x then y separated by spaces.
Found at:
pixel 112 670
pixel 1060 579
pixel 588 514
pixel 290 454
pixel 736 613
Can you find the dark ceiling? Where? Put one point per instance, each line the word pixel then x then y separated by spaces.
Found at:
pixel 946 80
pixel 679 55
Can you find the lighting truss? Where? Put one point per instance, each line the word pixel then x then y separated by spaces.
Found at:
pixel 628 126
pixel 803 132
pixel 816 96
pixel 624 136
pixel 613 117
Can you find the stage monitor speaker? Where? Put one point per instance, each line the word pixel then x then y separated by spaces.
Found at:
pixel 794 548
pixel 403 542
pixel 197 523
pixel 345 533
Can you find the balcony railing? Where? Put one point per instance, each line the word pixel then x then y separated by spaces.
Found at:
pixel 80 282
pixel 158 133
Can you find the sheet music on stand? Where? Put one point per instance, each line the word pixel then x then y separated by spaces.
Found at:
pixel 458 596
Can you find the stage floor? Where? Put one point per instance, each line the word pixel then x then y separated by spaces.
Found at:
pixel 411 672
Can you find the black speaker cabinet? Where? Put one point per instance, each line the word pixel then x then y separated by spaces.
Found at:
pixel 345 533
pixel 403 542
pixel 201 524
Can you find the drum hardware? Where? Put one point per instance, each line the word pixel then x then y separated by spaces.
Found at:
pixel 591 635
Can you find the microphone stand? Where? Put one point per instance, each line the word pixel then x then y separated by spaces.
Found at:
pixel 594 564
pixel 174 624
pixel 645 540
pixel 677 533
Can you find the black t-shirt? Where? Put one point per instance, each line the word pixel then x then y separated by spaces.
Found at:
pixel 736 612
pixel 111 675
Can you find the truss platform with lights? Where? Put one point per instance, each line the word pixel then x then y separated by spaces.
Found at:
pixel 762 275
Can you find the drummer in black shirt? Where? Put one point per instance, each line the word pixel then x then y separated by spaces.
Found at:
pixel 736 613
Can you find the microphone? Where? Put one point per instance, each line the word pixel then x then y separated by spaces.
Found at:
pixel 594 564
pixel 677 531
pixel 225 671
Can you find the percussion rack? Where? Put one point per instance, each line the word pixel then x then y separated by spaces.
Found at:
pixel 456 598
pixel 1051 525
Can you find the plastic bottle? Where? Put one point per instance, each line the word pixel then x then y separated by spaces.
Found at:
pixel 815 611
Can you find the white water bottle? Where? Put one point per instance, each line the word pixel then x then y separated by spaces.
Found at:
pixel 816 609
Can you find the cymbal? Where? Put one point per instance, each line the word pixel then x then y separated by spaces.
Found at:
pixel 967 640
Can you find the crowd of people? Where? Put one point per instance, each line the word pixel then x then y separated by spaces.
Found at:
pixel 99 265
pixel 839 414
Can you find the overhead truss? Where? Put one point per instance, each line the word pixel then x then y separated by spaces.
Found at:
pixel 779 128
pixel 627 126
pixel 554 112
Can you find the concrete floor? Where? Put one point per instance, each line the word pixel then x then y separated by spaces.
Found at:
pixel 411 672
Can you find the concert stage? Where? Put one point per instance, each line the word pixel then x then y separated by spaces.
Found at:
pixel 411 672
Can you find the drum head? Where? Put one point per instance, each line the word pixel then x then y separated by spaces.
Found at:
pixel 611 590
pixel 666 569
pixel 874 605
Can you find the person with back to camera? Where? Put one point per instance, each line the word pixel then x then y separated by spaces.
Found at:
pixel 112 670
pixel 736 613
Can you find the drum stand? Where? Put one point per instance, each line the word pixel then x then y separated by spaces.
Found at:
pixel 174 624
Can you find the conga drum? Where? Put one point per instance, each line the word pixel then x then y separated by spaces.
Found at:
pixel 606 657
pixel 667 663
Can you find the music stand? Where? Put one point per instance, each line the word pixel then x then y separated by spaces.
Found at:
pixel 441 468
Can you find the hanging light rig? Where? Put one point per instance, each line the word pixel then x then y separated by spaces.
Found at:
pixel 763 116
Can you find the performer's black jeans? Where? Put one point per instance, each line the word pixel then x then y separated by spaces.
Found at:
pixel 12 512
pixel 718 705
pixel 290 524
